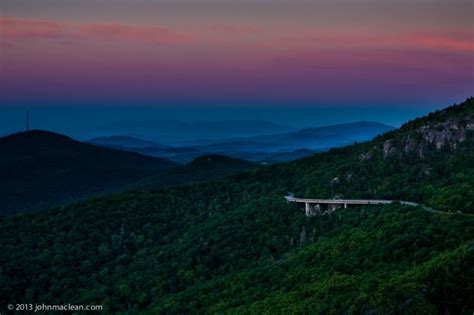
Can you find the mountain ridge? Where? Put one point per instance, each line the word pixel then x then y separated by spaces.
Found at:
pixel 41 169
pixel 274 147
pixel 124 141
pixel 170 132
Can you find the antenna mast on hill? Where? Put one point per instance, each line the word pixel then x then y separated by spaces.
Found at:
pixel 27 127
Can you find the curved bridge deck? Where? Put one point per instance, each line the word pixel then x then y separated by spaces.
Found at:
pixel 313 206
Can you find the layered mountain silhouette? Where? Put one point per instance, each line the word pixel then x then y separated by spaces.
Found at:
pixel 270 148
pixel 174 131
pixel 125 142
pixel 41 169
pixel 321 138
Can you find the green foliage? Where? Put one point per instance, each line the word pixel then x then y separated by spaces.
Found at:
pixel 203 168
pixel 357 267
pixel 41 169
pixel 235 246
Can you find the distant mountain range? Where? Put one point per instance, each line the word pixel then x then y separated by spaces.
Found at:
pixel 172 132
pixel 125 141
pixel 323 138
pixel 181 155
pixel 276 147
pixel 41 169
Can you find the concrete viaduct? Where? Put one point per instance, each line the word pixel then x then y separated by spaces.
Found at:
pixel 313 206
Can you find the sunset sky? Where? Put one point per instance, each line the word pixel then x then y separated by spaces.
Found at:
pixel 236 53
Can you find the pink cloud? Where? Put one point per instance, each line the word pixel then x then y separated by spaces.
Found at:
pixel 459 42
pixel 120 31
pixel 238 29
pixel 13 29
pixel 455 41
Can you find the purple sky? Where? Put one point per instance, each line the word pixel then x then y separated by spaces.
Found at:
pixel 240 53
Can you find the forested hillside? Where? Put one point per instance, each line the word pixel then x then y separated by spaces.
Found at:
pixel 206 167
pixel 235 246
pixel 40 169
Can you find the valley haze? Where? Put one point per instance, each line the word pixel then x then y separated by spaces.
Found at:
pixel 85 122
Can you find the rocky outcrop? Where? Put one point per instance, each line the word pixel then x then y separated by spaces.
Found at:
pixel 366 156
pixel 388 148
pixel 441 135
pixel 448 133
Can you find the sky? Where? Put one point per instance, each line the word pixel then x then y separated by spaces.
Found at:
pixel 373 55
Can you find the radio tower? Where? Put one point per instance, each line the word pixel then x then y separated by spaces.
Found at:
pixel 27 127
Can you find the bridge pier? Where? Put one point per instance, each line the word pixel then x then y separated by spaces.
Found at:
pixel 312 210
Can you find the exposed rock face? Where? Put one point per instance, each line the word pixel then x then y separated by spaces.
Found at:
pixel 447 134
pixel 388 148
pixel 366 156
pixel 410 144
